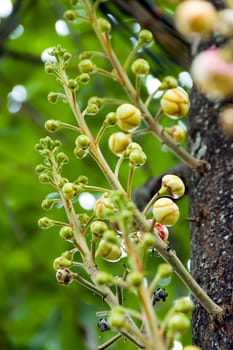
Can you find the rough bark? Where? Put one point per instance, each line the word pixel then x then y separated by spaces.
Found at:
pixel 211 206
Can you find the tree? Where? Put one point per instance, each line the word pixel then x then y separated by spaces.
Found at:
pixel 201 217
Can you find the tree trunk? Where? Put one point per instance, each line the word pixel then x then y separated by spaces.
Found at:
pixel 211 206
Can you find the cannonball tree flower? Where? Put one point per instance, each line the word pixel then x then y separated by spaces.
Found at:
pixel 165 211
pixel 195 17
pixel 212 73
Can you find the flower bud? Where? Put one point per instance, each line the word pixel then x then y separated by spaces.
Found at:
pixel 177 133
pixel 184 305
pixel 62 158
pixel 96 101
pixel 116 318
pixel 72 84
pixel 165 211
pixel 110 119
pixel 175 103
pixel 70 15
pixel 98 228
pixel 45 223
pixel 145 36
pixel 84 78
pixel 214 80
pixel 104 25
pixel 92 109
pixel 195 17
pixel 52 125
pixel 40 168
pixel 104 278
pixel 47 204
pixel 80 153
pixel 64 276
pixel 83 142
pixel 226 121
pixel 118 142
pixel 135 279
pixel 53 97
pixel 162 231
pixel 86 66
pixel 129 117
pixel 69 190
pixel 178 323
pixel 172 186
pixel 140 67
pixel 148 240
pixel 164 271
pixel 137 158
pixel 44 178
pixel 109 251
pixel 66 232
pixel 61 262
pixel 169 82
pixel 103 208
pixel 50 68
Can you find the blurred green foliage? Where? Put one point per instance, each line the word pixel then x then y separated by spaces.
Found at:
pixel 35 312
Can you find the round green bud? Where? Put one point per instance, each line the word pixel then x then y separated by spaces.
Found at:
pixel 72 84
pixel 140 67
pixel 135 279
pixel 83 142
pixel 82 180
pixel 66 232
pixel 177 133
pixel 104 278
pixel 103 208
pixel 61 262
pixel 104 25
pixel 83 219
pixel 44 178
pixel 50 68
pixel 80 153
pixel 169 82
pixel 145 36
pixel 70 15
pixel 45 223
pixel 47 204
pixel 110 119
pixel 109 251
pixel 85 54
pixel 53 97
pixel 62 158
pixel 178 323
pixel 69 190
pixel 98 228
pixel 184 305
pixel 110 236
pixel 84 78
pixel 116 318
pixel 52 125
pixel 164 271
pixel 64 276
pixel 129 117
pixel 137 158
pixel 165 211
pixel 96 101
pixel 118 142
pixel 92 109
pixel 148 239
pixel 86 66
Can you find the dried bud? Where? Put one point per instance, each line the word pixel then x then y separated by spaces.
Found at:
pixel 215 80
pixel 104 25
pixel 184 304
pixel 129 117
pixel 165 211
pixel 140 67
pixel 118 142
pixel 137 158
pixel 86 66
pixel 164 271
pixel 145 36
pixel 178 323
pixel 64 276
pixel 175 103
pixel 66 232
pixel 172 186
pixel 195 17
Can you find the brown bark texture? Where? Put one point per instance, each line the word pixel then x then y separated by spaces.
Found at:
pixel 211 211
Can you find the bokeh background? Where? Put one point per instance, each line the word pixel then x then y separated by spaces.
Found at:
pixel 36 312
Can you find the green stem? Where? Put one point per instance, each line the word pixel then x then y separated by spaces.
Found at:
pixel 150 97
pixel 89 285
pixel 130 180
pixel 150 203
pixel 109 342
pixel 131 56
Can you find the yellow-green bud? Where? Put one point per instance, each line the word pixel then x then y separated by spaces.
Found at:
pixel 70 15
pixel 84 78
pixel 69 190
pixel 61 262
pixel 178 323
pixel 98 228
pixel 50 68
pixel 135 279
pixel 44 178
pixel 184 305
pixel 109 251
pixel 140 67
pixel 116 318
pixel 104 25
pixel 164 271
pixel 72 84
pixel 118 142
pixel 86 66
pixel 177 132
pixel 96 101
pixel 172 186
pixel 53 97
pixel 45 223
pixel 175 103
pixel 62 158
pixel 66 232
pixel 145 36
pixel 129 117
pixel 92 109
pixel 148 239
pixel 137 158
pixel 169 82
pixel 64 276
pixel 80 153
pixel 165 211
pixel 47 204
pixel 103 208
pixel 52 125
pixel 83 142
pixel 40 168
pixel 110 119
pixel 104 278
